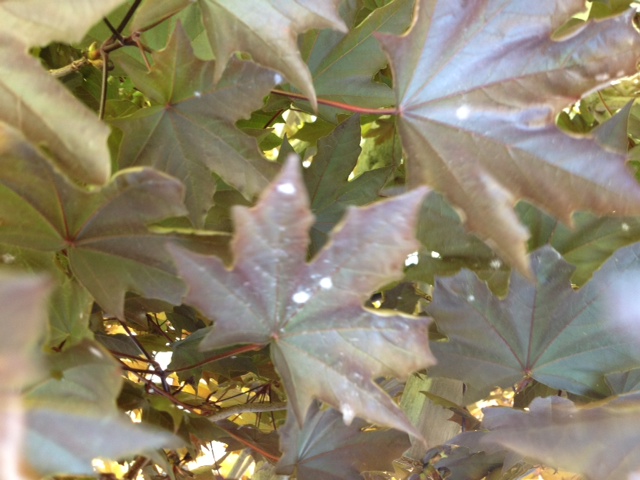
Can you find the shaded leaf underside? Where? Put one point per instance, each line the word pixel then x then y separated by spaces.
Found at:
pixel 565 339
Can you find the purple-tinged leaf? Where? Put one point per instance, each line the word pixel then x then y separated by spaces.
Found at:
pixel 323 342
pixel 478 87
pixel 563 338
pixel 268 30
pixel 327 448
pixel 33 101
pixel 600 441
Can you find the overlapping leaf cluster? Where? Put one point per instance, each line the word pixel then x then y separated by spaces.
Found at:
pixel 215 221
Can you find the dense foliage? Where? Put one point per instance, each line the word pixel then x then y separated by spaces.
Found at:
pixel 276 237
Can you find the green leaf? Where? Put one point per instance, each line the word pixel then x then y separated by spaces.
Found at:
pixel 311 314
pixel 448 247
pixel 35 102
pixel 587 244
pixel 69 312
pixel 327 448
pixel 102 233
pixel 344 64
pixel 84 376
pixel 151 12
pixel 268 29
pixel 187 352
pixel 65 442
pixel 72 416
pixel 327 182
pixel 601 442
pixel 565 339
pixel 190 131
pixel 478 88
pixel 624 382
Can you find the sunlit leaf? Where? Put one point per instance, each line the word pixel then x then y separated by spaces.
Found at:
pixel 268 30
pixel 35 102
pixel 478 88
pixel 311 314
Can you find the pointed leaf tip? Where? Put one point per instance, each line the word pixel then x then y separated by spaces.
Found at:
pixel 312 314
pixel 478 121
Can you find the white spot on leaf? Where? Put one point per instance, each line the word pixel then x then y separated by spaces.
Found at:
pixel 471 298
pixel 300 297
pixel 197 94
pixel 96 352
pixel 287 188
pixel 462 112
pixel 8 258
pixel 412 259
pixel 326 283
pixel 277 78
pixel 495 263
pixel 348 413
pixel 625 227
pixel 435 255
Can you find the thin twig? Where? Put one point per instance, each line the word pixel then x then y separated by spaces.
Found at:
pixel 103 86
pixel 135 467
pixel 342 106
pixel 605 103
pixel 247 408
pixel 246 348
pixel 249 444
pixel 114 33
pixel 128 15
pixel 157 370
pixel 73 67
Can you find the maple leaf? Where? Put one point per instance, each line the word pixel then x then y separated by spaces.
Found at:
pixel 344 64
pixel 268 30
pixel 23 300
pixel 565 339
pixel 478 86
pixel 102 234
pixel 190 130
pixel 327 448
pixel 35 102
pixel 73 412
pixel 600 441
pixel 327 179
pixel 448 247
pixel 323 342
